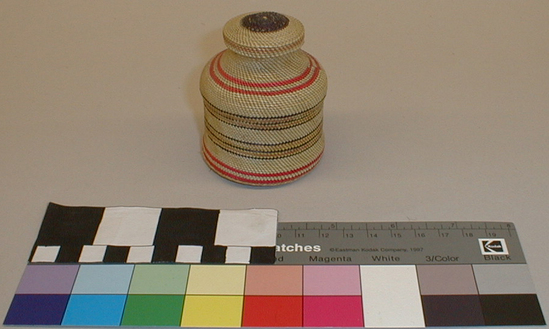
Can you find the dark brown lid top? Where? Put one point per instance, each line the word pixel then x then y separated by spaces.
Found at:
pixel 266 21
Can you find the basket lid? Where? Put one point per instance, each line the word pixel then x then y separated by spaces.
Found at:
pixel 263 34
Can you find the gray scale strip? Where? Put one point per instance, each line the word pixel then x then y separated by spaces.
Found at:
pixel 398 243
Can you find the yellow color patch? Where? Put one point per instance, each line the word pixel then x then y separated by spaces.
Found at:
pixel 216 280
pixel 212 311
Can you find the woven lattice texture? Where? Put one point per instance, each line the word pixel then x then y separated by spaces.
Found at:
pixel 263 100
pixel 247 42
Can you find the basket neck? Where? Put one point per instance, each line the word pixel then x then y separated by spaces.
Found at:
pixel 263 34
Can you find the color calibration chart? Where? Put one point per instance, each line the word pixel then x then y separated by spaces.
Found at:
pixel 275 295
pixel 382 275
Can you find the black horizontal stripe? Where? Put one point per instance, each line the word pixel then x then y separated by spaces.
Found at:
pixel 256 157
pixel 212 130
pixel 309 142
pixel 264 126
pixel 262 118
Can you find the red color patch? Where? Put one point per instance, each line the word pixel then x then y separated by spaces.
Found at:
pixel 273 311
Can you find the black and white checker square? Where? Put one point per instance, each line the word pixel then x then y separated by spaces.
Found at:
pixel 155 235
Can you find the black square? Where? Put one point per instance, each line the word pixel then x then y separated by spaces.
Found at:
pixel 116 254
pixel 512 310
pixel 263 255
pixel 214 255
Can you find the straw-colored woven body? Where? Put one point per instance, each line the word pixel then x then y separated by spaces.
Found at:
pixel 263 101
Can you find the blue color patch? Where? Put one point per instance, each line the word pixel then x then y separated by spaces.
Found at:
pixel 94 310
pixel 29 309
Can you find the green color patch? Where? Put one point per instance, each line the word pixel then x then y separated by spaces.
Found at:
pixel 153 310
pixel 159 279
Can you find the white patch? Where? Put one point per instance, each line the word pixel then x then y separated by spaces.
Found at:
pixel 249 228
pixel 45 254
pixel 128 226
pixel 92 254
pixel 189 254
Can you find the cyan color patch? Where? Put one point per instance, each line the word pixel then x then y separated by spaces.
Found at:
pixel 94 310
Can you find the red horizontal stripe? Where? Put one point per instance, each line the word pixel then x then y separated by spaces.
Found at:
pixel 225 86
pixel 306 167
pixel 257 181
pixel 261 85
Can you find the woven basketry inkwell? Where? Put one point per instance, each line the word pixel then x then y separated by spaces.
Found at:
pixel 263 99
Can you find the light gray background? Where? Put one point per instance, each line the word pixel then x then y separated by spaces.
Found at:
pixel 436 110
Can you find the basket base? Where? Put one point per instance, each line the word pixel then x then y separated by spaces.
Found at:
pixel 256 179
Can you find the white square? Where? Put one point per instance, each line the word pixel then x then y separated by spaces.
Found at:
pixel 127 226
pixel 140 254
pixel 45 254
pixel 238 255
pixel 397 307
pixel 189 254
pixel 249 228
pixel 92 254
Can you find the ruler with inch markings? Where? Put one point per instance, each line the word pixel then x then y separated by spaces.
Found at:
pixel 406 243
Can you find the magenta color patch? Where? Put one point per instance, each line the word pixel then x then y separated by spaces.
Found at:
pixel 331 280
pixel 332 311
